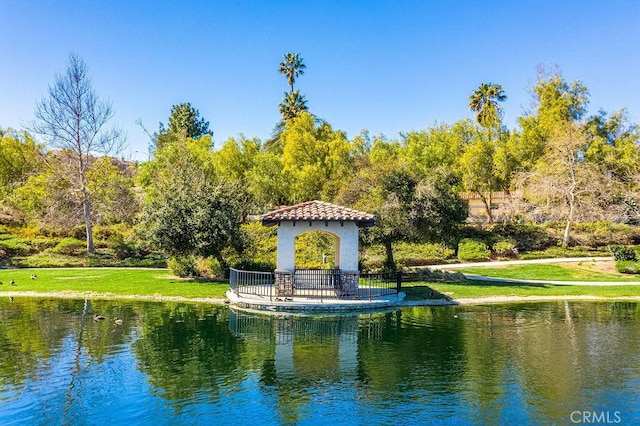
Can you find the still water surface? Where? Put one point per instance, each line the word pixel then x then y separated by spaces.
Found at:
pixel 187 364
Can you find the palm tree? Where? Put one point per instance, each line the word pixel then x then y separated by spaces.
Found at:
pixel 292 104
pixel 485 101
pixel 292 67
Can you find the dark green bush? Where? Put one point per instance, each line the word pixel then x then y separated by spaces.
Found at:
pixel 121 249
pixel 628 267
pixel 245 264
pixel 440 275
pixel 623 253
pixel 527 236
pixel 71 246
pixel 471 249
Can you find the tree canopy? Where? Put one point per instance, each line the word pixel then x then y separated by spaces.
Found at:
pixel 184 122
pixel 558 163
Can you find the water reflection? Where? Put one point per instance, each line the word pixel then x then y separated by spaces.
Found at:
pixel 196 364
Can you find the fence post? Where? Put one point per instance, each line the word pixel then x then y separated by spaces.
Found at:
pixel 398 282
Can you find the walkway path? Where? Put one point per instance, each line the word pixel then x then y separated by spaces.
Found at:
pixel 447 266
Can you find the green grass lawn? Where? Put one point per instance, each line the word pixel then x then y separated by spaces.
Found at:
pixel 476 289
pixel 117 281
pixel 553 272
pixel 154 282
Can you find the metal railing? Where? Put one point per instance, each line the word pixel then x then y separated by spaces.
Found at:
pixel 374 285
pixel 251 282
pixel 320 283
pixel 313 283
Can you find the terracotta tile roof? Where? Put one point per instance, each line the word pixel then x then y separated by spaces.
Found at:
pixel 318 210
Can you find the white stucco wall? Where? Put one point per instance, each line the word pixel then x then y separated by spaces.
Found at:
pixel 346 249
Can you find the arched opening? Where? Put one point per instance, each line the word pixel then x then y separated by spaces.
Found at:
pixel 317 250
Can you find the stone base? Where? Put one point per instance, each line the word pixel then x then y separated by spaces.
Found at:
pixel 349 283
pixel 283 283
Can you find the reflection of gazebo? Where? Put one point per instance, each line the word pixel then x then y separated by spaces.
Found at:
pixel 299 288
pixel 341 222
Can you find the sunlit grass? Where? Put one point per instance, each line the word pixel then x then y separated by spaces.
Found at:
pixel 553 272
pixel 160 282
pixel 478 289
pixel 116 281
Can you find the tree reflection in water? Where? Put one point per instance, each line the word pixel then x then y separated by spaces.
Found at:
pixel 526 363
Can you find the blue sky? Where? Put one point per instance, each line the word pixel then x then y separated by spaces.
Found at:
pixel 385 66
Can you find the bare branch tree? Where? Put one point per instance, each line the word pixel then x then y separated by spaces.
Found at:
pixel 73 120
pixel 564 185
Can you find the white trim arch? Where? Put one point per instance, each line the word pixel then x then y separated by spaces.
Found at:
pixel 346 240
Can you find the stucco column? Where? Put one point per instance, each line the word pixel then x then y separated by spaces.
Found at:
pixel 348 245
pixel 286 247
pixel 336 250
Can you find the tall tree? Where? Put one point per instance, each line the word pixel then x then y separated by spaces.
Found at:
pixel 189 210
pixel 485 101
pixel 74 120
pixel 565 185
pixel 292 67
pixel 316 156
pixel 478 165
pixel 407 208
pixel 19 158
pixel 184 122
pixel 293 103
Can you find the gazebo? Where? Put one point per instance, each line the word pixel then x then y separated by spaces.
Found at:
pixel 291 288
pixel 341 222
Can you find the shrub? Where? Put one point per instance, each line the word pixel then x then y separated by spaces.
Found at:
pixel 471 249
pixel 602 233
pixel 183 266
pixel 245 264
pixel 440 275
pixel 527 237
pixel 628 267
pixel 421 254
pixel 51 260
pixel 41 244
pixel 209 267
pixel 15 247
pixel 505 247
pixel 623 253
pixel 71 246
pixel 121 249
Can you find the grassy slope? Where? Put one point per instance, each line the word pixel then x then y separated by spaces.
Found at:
pixel 144 282
pixel 551 272
pixel 422 290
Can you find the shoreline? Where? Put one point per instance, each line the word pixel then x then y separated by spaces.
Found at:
pixel 405 303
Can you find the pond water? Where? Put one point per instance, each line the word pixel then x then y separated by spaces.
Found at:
pixel 187 364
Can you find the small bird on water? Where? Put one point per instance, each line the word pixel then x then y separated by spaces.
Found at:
pixel 12 282
pixel 118 321
pixel 97 317
pixel 34 276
